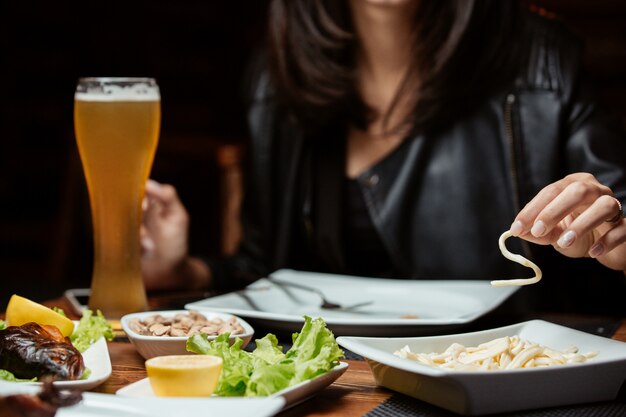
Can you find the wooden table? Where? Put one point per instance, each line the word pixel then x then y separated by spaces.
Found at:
pixel 353 394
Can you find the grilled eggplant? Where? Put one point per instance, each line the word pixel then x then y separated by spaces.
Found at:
pixel 29 351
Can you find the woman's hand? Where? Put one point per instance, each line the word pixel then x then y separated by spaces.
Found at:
pixel 578 216
pixel 165 262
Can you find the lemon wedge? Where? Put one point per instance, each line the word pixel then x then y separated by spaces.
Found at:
pixel 21 310
pixel 184 375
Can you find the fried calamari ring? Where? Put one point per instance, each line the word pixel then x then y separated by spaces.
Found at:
pixel 520 260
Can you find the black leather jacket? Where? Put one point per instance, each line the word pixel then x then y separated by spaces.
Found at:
pixel 440 203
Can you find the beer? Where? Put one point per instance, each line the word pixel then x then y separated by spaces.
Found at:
pixel 117 125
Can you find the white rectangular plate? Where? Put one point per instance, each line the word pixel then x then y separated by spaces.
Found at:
pixel 98 405
pixel 398 307
pixel 292 395
pixel 485 392
pixel 97 359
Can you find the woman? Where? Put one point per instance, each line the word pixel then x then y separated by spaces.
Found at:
pixel 400 138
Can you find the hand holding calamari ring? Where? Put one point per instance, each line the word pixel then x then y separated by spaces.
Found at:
pixel 579 217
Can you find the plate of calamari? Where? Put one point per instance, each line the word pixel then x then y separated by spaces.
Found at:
pixel 534 364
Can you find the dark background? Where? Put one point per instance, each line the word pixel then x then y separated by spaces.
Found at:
pixel 197 50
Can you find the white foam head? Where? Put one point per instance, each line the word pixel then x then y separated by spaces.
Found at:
pixel 117 89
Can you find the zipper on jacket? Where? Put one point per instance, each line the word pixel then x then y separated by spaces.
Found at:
pixel 512 141
pixel 510 135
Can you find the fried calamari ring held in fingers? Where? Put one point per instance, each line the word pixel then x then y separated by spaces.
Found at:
pixel 520 260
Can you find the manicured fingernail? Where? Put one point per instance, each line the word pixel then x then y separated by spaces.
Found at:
pixel 567 239
pixel 516 228
pixel 539 229
pixel 596 250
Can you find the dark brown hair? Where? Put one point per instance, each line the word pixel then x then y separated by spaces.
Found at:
pixel 463 50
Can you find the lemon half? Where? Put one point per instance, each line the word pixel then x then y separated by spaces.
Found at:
pixel 21 310
pixel 184 375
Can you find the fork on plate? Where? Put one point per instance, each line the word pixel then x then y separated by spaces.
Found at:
pixel 326 304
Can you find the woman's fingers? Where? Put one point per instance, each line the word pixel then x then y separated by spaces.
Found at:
pixel 164 199
pixel 579 217
pixel 526 218
pixel 573 198
pixel 147 243
pixel 613 238
pixel 153 188
pixel 167 197
pixel 555 203
pixel 587 221
pixel 610 248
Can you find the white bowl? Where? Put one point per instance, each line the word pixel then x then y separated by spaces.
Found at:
pixel 151 346
pixel 496 392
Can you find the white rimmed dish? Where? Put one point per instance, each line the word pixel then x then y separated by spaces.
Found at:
pixel 292 395
pixel 489 392
pixel 399 307
pixel 96 359
pixel 99 405
pixel 151 346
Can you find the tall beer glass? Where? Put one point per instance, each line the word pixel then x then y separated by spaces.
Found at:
pixel 117 121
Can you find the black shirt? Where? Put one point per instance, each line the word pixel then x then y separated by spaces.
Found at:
pixel 364 252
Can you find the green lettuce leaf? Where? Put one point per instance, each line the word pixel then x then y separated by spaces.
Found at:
pixel 267 369
pixel 237 363
pixel 86 374
pixel 59 310
pixel 314 350
pixel 267 378
pixel 8 376
pixel 3 325
pixel 271 372
pixel 91 328
pixel 267 350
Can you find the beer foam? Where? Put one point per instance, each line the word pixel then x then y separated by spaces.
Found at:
pixel 107 92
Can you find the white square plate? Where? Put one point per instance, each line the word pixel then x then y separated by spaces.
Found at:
pixel 97 360
pixel 398 306
pixel 292 395
pixel 100 405
pixel 486 392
